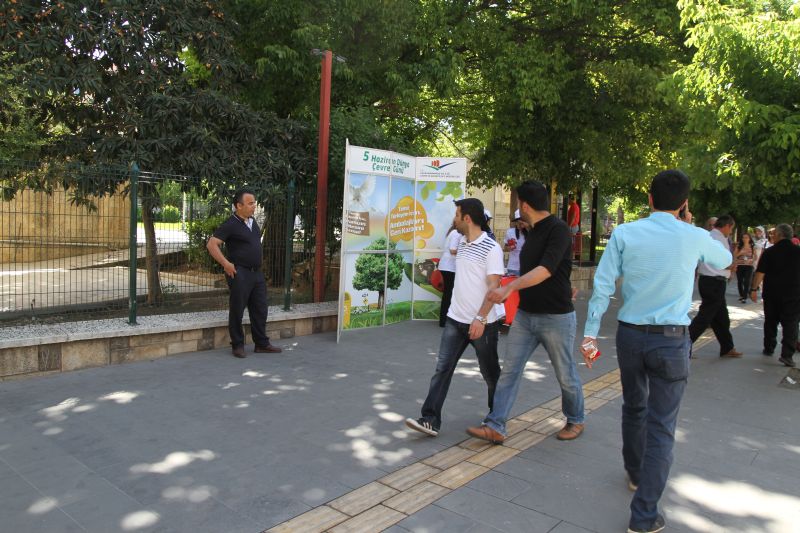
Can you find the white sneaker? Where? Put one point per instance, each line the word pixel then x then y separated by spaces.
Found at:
pixel 423 426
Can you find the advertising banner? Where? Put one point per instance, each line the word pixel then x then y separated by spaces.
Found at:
pixel 397 211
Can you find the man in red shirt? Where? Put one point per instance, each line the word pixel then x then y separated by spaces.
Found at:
pixel 573 215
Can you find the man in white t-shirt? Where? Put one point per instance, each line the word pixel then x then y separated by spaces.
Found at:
pixel 471 319
pixel 515 239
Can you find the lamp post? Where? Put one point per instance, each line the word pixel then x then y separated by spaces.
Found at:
pixel 322 169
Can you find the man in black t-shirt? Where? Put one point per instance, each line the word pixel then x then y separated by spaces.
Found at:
pixel 242 238
pixel 545 316
pixel 779 268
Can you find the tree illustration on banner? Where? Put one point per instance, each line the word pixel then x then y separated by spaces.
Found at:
pixel 370 270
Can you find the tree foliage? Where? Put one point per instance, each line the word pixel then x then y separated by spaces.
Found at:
pixel 741 96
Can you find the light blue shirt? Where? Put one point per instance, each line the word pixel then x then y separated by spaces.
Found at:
pixel 656 258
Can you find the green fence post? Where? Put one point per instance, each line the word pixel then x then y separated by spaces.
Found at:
pixel 287 276
pixel 132 248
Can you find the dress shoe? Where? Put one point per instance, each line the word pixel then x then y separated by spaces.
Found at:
pixel 787 361
pixel 238 351
pixel 732 353
pixel 269 348
pixel 570 431
pixel 486 433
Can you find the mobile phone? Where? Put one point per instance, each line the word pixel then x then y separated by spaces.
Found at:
pixel 682 213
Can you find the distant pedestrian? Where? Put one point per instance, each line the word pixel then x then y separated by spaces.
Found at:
pixel 710 223
pixel 712 284
pixel 545 317
pixel 759 243
pixel 471 318
pixel 744 258
pixel 779 270
pixel 655 257
pixel 447 266
pixel 514 241
pixel 242 238
pixel 573 215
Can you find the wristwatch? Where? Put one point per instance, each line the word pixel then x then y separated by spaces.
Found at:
pixel 481 319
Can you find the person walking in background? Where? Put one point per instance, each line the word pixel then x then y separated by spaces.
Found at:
pixel 471 318
pixel 514 241
pixel 743 258
pixel 447 266
pixel 759 243
pixel 656 258
pixel 710 223
pixel 779 270
pixel 573 215
pixel 242 238
pixel 545 316
pixel 712 284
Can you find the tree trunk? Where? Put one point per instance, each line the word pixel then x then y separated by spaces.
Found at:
pixel 149 201
pixel 380 299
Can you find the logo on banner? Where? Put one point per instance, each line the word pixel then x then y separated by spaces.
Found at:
pixel 436 164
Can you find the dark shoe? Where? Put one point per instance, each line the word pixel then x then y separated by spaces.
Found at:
pixel 631 485
pixel 486 433
pixel 423 425
pixel 570 431
pixel 269 348
pixel 768 353
pixel 731 353
pixel 786 361
pixel 238 351
pixel 658 525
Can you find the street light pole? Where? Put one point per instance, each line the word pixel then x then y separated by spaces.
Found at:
pixel 322 175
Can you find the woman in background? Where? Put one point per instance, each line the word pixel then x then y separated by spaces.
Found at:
pixel 743 258
pixel 515 238
pixel 447 266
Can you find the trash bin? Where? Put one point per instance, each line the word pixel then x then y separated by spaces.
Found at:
pixel 577 246
pixel 512 302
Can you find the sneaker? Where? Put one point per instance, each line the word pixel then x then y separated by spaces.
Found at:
pixel 768 353
pixel 631 485
pixel 786 361
pixel 423 425
pixel 658 525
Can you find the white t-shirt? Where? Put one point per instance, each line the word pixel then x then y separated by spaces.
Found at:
pixel 707 270
pixel 513 255
pixel 448 261
pixel 475 261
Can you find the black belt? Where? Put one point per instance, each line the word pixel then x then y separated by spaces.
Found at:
pixel 680 330
pixel 720 278
pixel 251 269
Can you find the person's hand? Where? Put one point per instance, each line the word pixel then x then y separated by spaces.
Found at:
pixel 687 215
pixel 574 293
pixel 498 295
pixel 476 329
pixel 754 296
pixel 230 269
pixel 588 353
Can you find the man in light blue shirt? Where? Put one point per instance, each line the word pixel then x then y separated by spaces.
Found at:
pixel 656 257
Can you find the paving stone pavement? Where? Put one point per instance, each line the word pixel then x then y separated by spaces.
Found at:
pixel 313 440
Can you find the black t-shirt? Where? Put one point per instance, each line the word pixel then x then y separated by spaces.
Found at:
pixel 781 267
pixel 242 243
pixel 548 244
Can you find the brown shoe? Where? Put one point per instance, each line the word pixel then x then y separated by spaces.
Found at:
pixel 732 353
pixel 486 433
pixel 269 348
pixel 570 431
pixel 238 351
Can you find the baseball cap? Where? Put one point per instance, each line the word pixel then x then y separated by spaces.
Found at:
pixel 487 214
pixel 517 216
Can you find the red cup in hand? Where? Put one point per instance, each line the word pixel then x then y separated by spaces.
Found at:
pixel 512 244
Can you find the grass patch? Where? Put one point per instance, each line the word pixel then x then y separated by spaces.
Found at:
pixel 397 312
pixel 426 310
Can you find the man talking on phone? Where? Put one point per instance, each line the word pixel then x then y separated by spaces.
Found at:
pixel 656 258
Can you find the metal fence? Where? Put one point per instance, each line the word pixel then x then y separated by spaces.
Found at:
pixel 83 244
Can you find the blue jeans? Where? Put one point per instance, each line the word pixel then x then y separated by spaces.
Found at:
pixel 455 339
pixel 557 334
pixel 654 368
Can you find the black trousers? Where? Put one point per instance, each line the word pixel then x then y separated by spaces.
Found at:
pixel 447 296
pixel 744 275
pixel 787 314
pixel 248 289
pixel 713 312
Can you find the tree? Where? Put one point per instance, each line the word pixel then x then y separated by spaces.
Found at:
pixel 151 82
pixel 741 97
pixel 371 270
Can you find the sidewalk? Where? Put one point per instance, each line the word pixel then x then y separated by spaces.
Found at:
pixel 207 442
